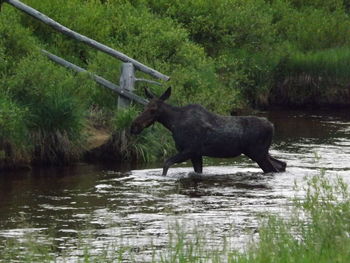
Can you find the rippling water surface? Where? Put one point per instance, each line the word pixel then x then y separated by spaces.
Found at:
pixel 106 206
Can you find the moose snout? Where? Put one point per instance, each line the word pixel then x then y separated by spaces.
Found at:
pixel 135 129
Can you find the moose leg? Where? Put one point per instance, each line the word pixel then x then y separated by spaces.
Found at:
pixel 178 158
pixel 280 165
pixel 266 165
pixel 264 162
pixel 197 163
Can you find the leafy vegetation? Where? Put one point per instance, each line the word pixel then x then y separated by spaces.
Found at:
pixel 13 132
pixel 225 55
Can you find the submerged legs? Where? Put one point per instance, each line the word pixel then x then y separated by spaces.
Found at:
pixel 178 158
pixel 197 163
pixel 268 164
pixel 279 165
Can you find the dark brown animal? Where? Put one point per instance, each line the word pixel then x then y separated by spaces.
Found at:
pixel 198 132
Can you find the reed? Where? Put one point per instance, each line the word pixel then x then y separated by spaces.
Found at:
pixel 57 129
pixel 329 65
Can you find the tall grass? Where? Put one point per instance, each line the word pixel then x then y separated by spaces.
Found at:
pixel 154 143
pixel 329 65
pixel 56 110
pixel 313 78
pixel 57 128
pixel 14 149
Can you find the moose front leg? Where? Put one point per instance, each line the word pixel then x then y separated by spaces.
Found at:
pixel 197 163
pixel 178 158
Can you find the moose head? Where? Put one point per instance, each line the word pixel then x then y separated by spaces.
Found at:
pixel 151 112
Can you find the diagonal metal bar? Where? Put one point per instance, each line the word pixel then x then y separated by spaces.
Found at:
pixel 149 81
pixel 97 78
pixel 93 43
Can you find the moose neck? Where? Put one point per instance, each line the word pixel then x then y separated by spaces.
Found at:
pixel 169 116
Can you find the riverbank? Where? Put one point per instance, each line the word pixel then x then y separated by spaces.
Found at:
pixel 230 55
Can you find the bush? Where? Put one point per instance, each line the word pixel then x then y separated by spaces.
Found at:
pixel 329 5
pixel 14 145
pixel 315 29
pixel 153 144
pixel 56 108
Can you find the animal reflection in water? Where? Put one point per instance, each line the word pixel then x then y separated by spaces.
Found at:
pixel 198 132
pixel 197 185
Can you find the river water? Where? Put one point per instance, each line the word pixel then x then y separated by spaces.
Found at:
pixel 102 206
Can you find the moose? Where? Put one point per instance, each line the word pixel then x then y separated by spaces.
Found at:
pixel 198 132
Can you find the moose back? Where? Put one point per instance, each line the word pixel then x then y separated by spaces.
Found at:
pixel 198 132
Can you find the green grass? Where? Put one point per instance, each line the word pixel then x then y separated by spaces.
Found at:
pixel 13 133
pixel 313 78
pixel 330 64
pixel 154 143
pixel 317 230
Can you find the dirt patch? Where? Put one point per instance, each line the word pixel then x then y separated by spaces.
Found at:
pixel 97 138
pixel 305 91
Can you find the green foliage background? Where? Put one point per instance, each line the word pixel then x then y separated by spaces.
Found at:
pixel 223 54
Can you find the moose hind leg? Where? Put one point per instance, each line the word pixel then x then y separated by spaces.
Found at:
pixel 178 158
pixel 197 163
pixel 280 165
pixel 264 163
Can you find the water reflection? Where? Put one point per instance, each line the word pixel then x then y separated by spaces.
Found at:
pixel 101 205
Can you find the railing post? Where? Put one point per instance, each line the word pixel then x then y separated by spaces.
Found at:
pixel 127 82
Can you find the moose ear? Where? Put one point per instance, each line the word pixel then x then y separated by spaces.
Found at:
pixel 148 93
pixel 166 94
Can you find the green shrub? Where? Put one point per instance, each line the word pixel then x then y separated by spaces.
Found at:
pixel 329 5
pixel 315 29
pixel 16 41
pixel 331 65
pixel 314 78
pixel 56 103
pixel 154 143
pixel 222 24
pixel 14 145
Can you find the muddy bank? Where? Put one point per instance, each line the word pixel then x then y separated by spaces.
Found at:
pixel 100 146
pixel 305 91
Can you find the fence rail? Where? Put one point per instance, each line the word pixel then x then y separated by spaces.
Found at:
pixel 64 30
pixel 123 92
